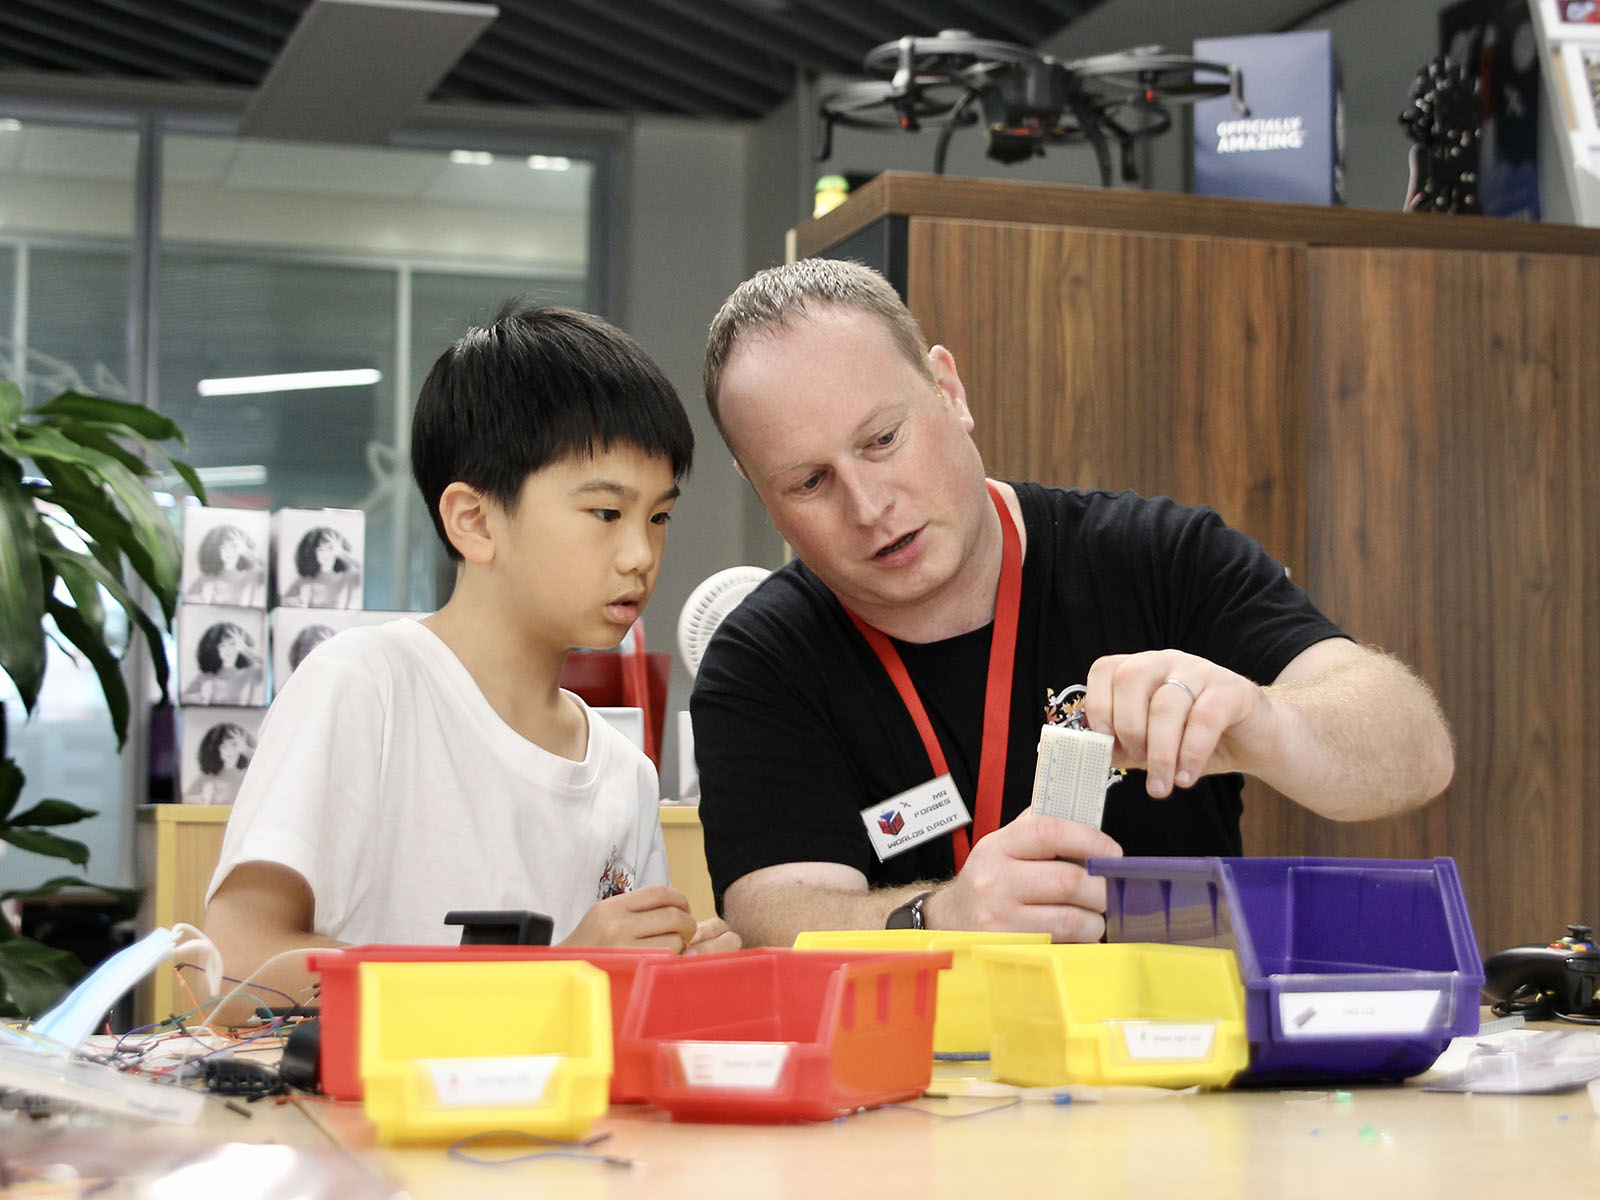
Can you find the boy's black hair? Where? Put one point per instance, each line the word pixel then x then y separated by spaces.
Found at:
pixel 531 388
pixel 209 755
pixel 208 654
pixel 305 553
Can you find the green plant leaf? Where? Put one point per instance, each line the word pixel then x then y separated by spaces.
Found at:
pixel 11 781
pixel 10 403
pixel 108 437
pixel 82 585
pixel 83 571
pixel 107 669
pixel 127 897
pixel 22 594
pixel 191 478
pixel 48 888
pixel 53 812
pixel 146 525
pixel 94 514
pixel 38 841
pixel 34 977
pixel 141 420
pixel 98 435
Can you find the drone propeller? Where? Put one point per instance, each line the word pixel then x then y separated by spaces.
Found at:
pixel 947 53
pixel 1024 99
pixel 1149 73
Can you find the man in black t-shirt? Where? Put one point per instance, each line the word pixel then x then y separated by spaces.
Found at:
pixel 932 617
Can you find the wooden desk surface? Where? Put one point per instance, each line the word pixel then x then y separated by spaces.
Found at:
pixel 1305 1143
pixel 1381 1141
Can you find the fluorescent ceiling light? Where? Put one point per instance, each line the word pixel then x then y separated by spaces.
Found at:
pixel 249 385
pixel 472 158
pixel 243 475
pixel 549 162
pixel 9 125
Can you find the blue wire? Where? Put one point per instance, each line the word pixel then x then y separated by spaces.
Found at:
pixel 230 979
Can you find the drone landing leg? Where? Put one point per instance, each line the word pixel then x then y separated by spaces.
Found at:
pixel 1089 122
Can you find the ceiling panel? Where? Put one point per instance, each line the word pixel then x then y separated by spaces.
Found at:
pixel 708 58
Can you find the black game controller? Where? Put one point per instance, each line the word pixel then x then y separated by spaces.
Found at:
pixel 1555 980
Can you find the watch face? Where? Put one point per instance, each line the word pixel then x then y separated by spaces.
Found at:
pixel 907 916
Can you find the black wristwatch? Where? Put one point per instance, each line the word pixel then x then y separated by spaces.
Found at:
pixel 908 915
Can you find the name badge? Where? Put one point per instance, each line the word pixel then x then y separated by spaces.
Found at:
pixel 928 810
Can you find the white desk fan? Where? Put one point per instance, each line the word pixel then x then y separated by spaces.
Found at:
pixel 708 604
pixel 705 609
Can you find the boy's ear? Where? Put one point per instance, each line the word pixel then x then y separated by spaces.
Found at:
pixel 465 513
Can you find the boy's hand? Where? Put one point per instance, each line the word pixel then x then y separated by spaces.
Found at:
pixel 648 916
pixel 713 937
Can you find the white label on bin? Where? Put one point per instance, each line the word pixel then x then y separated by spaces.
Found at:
pixel 1319 1014
pixel 1160 1039
pixel 748 1065
pixel 490 1081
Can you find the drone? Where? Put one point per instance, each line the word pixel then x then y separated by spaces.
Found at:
pixel 1023 99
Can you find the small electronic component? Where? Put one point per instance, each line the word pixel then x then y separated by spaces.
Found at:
pixel 237 1077
pixel 1072 773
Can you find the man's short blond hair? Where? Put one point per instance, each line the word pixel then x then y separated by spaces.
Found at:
pixel 777 297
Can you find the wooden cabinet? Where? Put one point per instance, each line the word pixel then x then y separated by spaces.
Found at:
pixel 178 846
pixel 1401 407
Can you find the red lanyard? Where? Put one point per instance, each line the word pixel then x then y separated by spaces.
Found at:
pixel 997 694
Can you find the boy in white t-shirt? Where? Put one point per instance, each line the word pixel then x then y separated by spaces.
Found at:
pixel 420 766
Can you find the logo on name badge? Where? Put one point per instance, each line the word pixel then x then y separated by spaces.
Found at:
pixel 929 810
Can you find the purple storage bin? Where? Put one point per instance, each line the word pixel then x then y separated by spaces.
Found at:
pixel 1353 968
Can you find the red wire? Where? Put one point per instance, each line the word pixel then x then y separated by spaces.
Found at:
pixel 636 689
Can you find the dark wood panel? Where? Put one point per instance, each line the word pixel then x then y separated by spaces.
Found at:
pixel 1098 359
pixel 1451 521
pixel 1402 404
pixel 912 194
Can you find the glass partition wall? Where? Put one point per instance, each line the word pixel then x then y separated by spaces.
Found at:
pixel 273 259
pixel 66 239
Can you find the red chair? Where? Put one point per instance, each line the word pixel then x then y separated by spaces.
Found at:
pixel 628 678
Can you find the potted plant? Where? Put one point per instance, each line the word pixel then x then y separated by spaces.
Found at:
pixel 75 511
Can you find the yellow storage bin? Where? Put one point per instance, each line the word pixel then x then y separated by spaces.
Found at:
pixel 1130 1013
pixel 450 1049
pixel 961 1019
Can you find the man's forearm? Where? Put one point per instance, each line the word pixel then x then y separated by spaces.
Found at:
pixel 1362 739
pixel 775 914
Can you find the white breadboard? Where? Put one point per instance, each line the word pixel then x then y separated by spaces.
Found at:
pixel 1073 770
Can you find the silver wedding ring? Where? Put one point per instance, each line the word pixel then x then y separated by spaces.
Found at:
pixel 1182 684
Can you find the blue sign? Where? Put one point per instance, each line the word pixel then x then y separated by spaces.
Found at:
pixel 1291 146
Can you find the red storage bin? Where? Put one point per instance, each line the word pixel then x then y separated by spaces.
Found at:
pixel 340 1039
pixel 775 1035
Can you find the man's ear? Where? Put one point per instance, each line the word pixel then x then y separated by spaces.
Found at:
pixel 942 366
pixel 465 513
